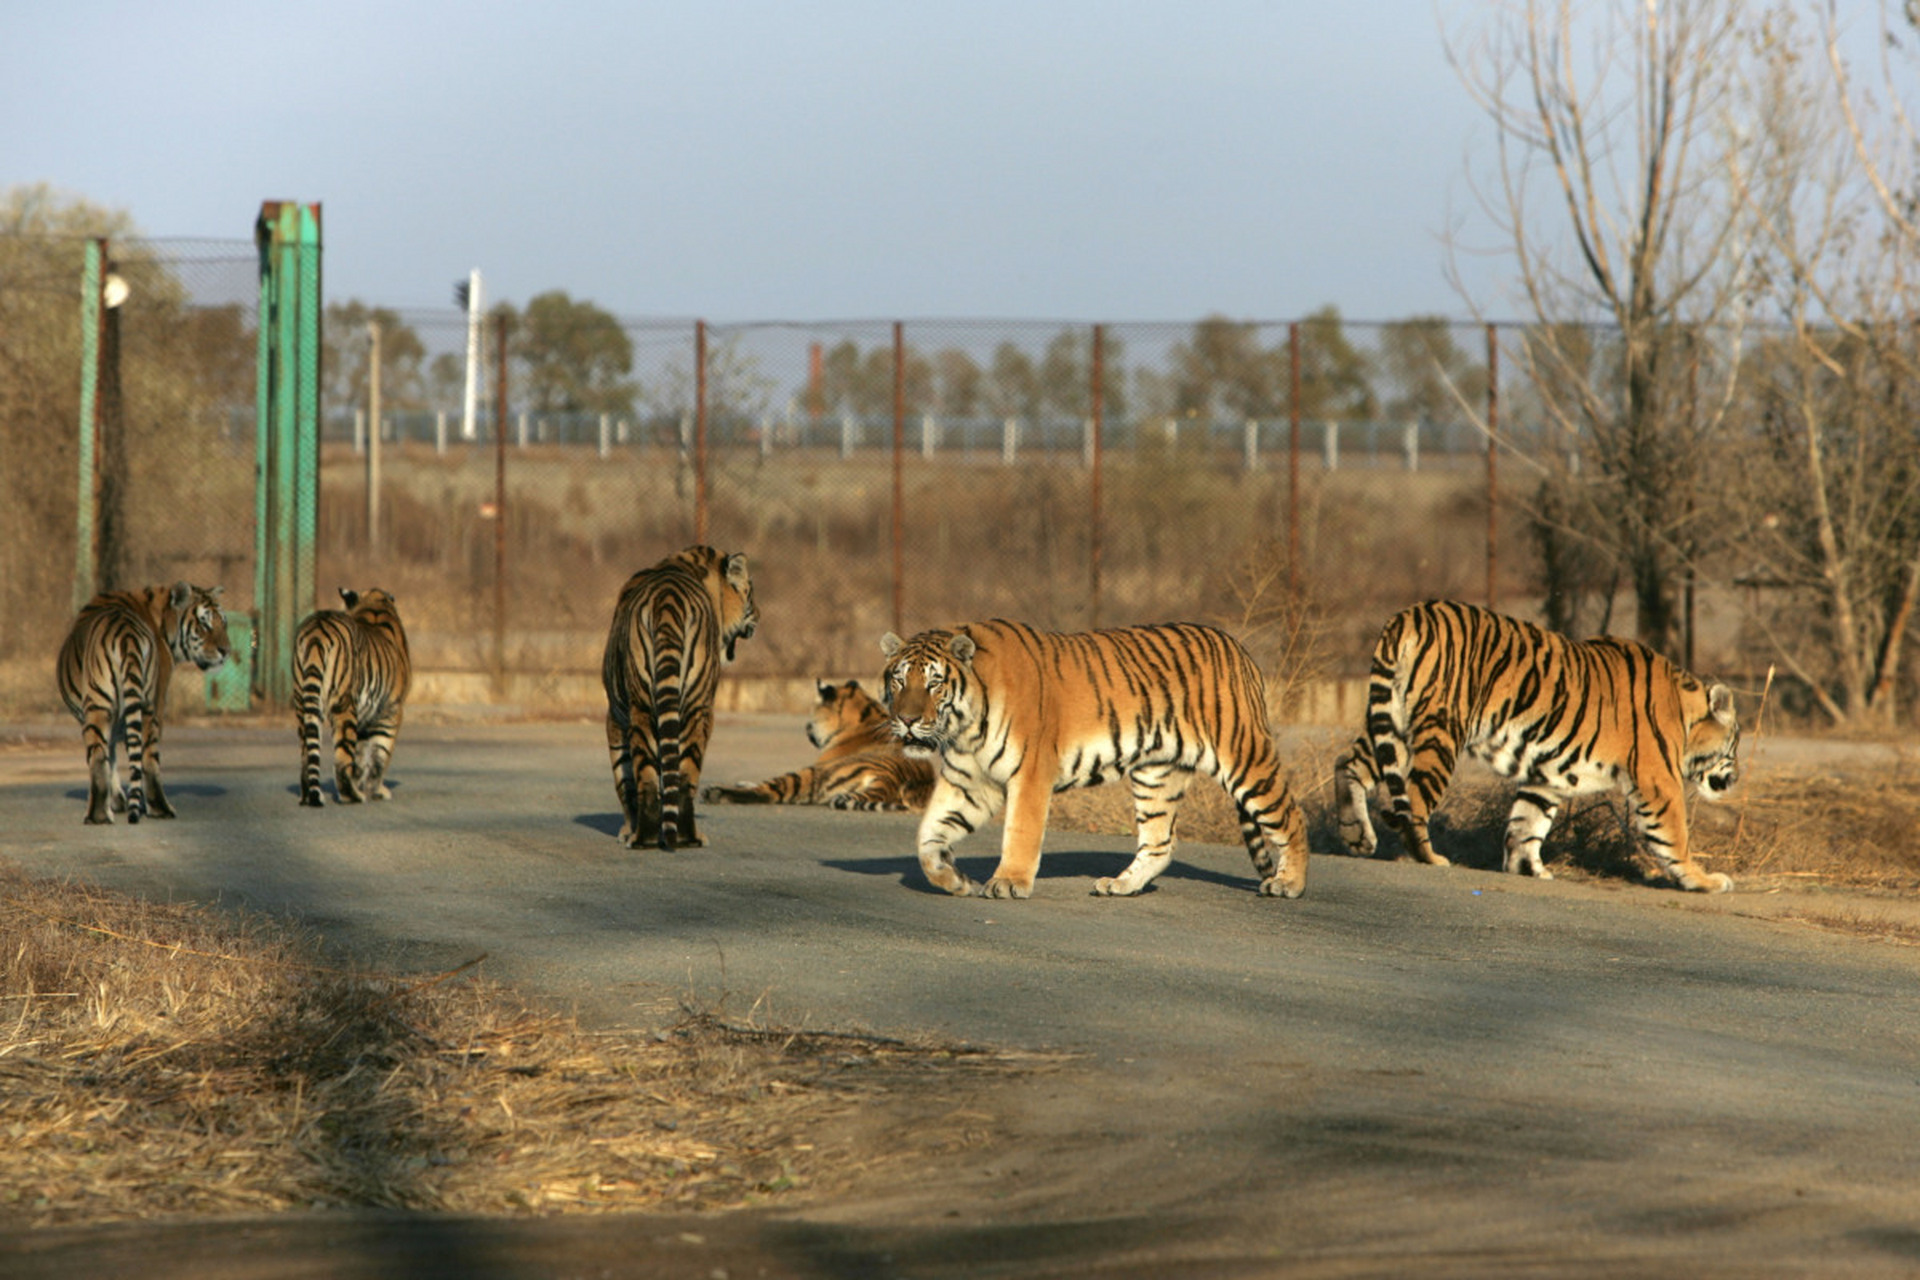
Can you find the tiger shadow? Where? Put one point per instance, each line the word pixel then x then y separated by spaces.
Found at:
pixel 1589 837
pixel 1067 864
pixel 196 790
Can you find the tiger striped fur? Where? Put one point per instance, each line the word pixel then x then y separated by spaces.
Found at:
pixel 674 626
pixel 351 667
pixel 861 763
pixel 1564 717
pixel 114 670
pixel 1014 714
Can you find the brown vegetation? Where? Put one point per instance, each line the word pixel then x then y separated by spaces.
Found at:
pixel 160 1060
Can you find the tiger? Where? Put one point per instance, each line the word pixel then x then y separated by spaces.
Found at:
pixel 1013 714
pixel 114 670
pixel 352 667
pixel 1564 717
pixel 861 765
pixel 674 626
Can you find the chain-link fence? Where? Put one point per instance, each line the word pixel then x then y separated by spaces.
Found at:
pixel 168 376
pixel 897 476
pixel 1296 482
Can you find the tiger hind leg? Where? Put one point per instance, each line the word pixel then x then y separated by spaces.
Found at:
pixel 158 805
pixel 346 759
pixel 1416 775
pixel 377 752
pixel 1527 826
pixel 1157 792
pixel 1354 781
pixel 103 790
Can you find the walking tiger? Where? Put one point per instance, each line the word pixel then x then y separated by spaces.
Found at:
pixel 114 670
pixel 674 626
pixel 1563 717
pixel 351 667
pixel 1014 714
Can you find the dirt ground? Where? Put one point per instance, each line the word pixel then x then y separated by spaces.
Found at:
pixel 1408 1071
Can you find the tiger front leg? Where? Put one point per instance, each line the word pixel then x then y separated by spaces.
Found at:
pixel 1029 795
pixel 1661 816
pixel 952 814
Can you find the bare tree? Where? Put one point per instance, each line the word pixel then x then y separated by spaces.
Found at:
pixel 1624 118
pixel 1838 501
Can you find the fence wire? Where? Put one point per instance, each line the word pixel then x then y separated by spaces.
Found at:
pixel 1297 482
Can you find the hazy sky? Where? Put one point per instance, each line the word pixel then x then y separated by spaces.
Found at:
pixel 1050 159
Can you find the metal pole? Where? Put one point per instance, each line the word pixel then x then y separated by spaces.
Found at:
pixel 373 438
pixel 470 404
pixel 500 514
pixel 700 431
pixel 1493 477
pixel 899 474
pixel 92 313
pixel 1293 458
pixel 1095 529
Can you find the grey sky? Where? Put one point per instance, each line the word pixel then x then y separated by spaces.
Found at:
pixel 739 160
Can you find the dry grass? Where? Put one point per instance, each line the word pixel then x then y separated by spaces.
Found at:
pixel 160 1061
pixel 1781 829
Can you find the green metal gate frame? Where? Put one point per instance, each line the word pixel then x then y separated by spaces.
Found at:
pixel 287 485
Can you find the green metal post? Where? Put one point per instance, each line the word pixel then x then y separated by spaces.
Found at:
pixel 288 446
pixel 86 561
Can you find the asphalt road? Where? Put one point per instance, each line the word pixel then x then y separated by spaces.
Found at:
pixel 1409 1070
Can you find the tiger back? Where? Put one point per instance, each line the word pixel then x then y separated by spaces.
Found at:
pixel 114 670
pixel 674 626
pixel 1562 717
pixel 1014 714
pixel 351 671
pixel 861 764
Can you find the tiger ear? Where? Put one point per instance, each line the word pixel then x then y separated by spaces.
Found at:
pixel 1720 703
pixel 735 569
pixel 179 594
pixel 891 644
pixel 213 593
pixel 824 689
pixel 349 595
pixel 962 649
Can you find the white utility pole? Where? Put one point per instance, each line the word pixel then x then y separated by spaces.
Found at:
pixel 473 356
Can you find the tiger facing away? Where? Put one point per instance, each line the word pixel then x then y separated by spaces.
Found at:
pixel 861 764
pixel 674 627
pixel 1564 717
pixel 352 668
pixel 1014 714
pixel 114 670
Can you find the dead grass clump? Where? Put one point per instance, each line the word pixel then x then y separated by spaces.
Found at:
pixel 162 1060
pixel 1779 830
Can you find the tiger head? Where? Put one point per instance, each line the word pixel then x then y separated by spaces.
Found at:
pixel 845 711
pixel 929 688
pixel 1713 743
pixel 739 618
pixel 198 633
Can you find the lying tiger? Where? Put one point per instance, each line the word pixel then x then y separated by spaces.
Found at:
pixel 861 764
pixel 1562 717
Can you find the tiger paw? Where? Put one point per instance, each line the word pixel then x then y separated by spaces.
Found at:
pixel 1113 887
pixel 1002 887
pixel 1275 887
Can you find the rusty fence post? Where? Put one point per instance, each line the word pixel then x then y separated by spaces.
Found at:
pixel 700 431
pixel 899 485
pixel 1493 472
pixel 500 512
pixel 1097 462
pixel 1293 459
